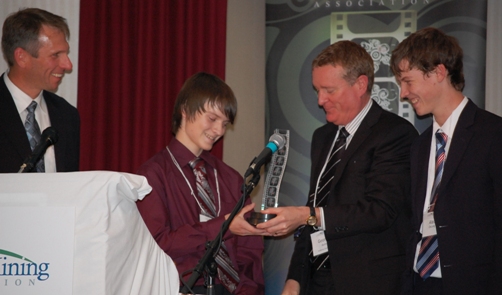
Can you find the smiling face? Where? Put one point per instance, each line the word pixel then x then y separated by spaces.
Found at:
pixel 46 71
pixel 340 100
pixel 421 90
pixel 206 127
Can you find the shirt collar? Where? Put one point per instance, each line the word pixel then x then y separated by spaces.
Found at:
pixel 450 123
pixel 184 155
pixel 353 125
pixel 21 99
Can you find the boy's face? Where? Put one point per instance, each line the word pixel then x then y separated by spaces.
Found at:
pixel 419 89
pixel 203 130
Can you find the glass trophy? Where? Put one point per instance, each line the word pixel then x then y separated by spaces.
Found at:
pixel 273 181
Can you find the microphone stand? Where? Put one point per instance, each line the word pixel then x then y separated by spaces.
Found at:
pixel 207 261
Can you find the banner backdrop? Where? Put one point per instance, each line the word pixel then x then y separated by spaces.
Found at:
pixel 296 33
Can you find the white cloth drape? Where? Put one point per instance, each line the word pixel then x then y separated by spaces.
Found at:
pixel 114 253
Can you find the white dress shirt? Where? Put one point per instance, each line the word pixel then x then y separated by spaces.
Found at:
pixel 22 101
pixel 448 128
pixel 351 129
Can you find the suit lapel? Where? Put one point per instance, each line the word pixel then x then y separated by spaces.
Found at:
pixel 326 144
pixel 458 145
pixel 11 122
pixel 58 123
pixel 420 173
pixel 357 140
pixel 461 137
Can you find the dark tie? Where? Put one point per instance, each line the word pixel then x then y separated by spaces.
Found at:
pixel 324 186
pixel 226 272
pixel 33 132
pixel 428 255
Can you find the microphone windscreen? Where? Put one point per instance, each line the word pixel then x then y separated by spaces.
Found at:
pixel 50 134
pixel 278 140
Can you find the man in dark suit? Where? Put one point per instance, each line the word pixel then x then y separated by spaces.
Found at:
pixel 456 167
pixel 357 218
pixel 34 44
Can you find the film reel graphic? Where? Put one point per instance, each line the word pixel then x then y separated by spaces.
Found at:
pixel 379 32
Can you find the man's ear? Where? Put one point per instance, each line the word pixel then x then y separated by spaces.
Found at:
pixel 184 116
pixel 21 57
pixel 441 72
pixel 362 84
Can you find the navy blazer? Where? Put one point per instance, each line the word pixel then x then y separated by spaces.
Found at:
pixel 367 216
pixel 14 145
pixel 468 211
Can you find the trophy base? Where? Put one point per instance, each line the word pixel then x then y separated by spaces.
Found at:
pixel 257 217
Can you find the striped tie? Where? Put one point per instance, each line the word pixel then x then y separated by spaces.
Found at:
pixel 227 274
pixel 33 132
pixel 428 255
pixel 324 187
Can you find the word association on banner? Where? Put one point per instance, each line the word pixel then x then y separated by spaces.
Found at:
pixel 369 3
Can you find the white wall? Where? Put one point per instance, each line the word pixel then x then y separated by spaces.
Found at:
pixel 245 74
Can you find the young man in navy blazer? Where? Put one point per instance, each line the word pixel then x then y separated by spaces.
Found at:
pixel 456 247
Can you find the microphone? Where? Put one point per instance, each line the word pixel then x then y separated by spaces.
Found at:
pixel 48 138
pixel 275 142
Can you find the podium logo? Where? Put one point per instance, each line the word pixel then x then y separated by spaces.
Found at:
pixel 17 267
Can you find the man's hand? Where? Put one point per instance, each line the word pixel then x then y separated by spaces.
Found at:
pixel 239 225
pixel 291 287
pixel 288 219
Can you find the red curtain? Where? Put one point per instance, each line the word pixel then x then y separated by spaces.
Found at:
pixel 134 56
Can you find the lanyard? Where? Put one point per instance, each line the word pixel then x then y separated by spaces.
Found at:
pixel 190 186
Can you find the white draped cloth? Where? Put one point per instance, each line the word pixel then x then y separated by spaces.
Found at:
pixel 114 253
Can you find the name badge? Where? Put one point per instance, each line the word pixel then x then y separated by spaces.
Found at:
pixel 319 244
pixel 204 218
pixel 429 225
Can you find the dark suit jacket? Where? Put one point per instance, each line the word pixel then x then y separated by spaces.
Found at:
pixel 468 211
pixel 14 145
pixel 368 212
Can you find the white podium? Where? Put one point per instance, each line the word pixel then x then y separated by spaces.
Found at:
pixel 79 233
